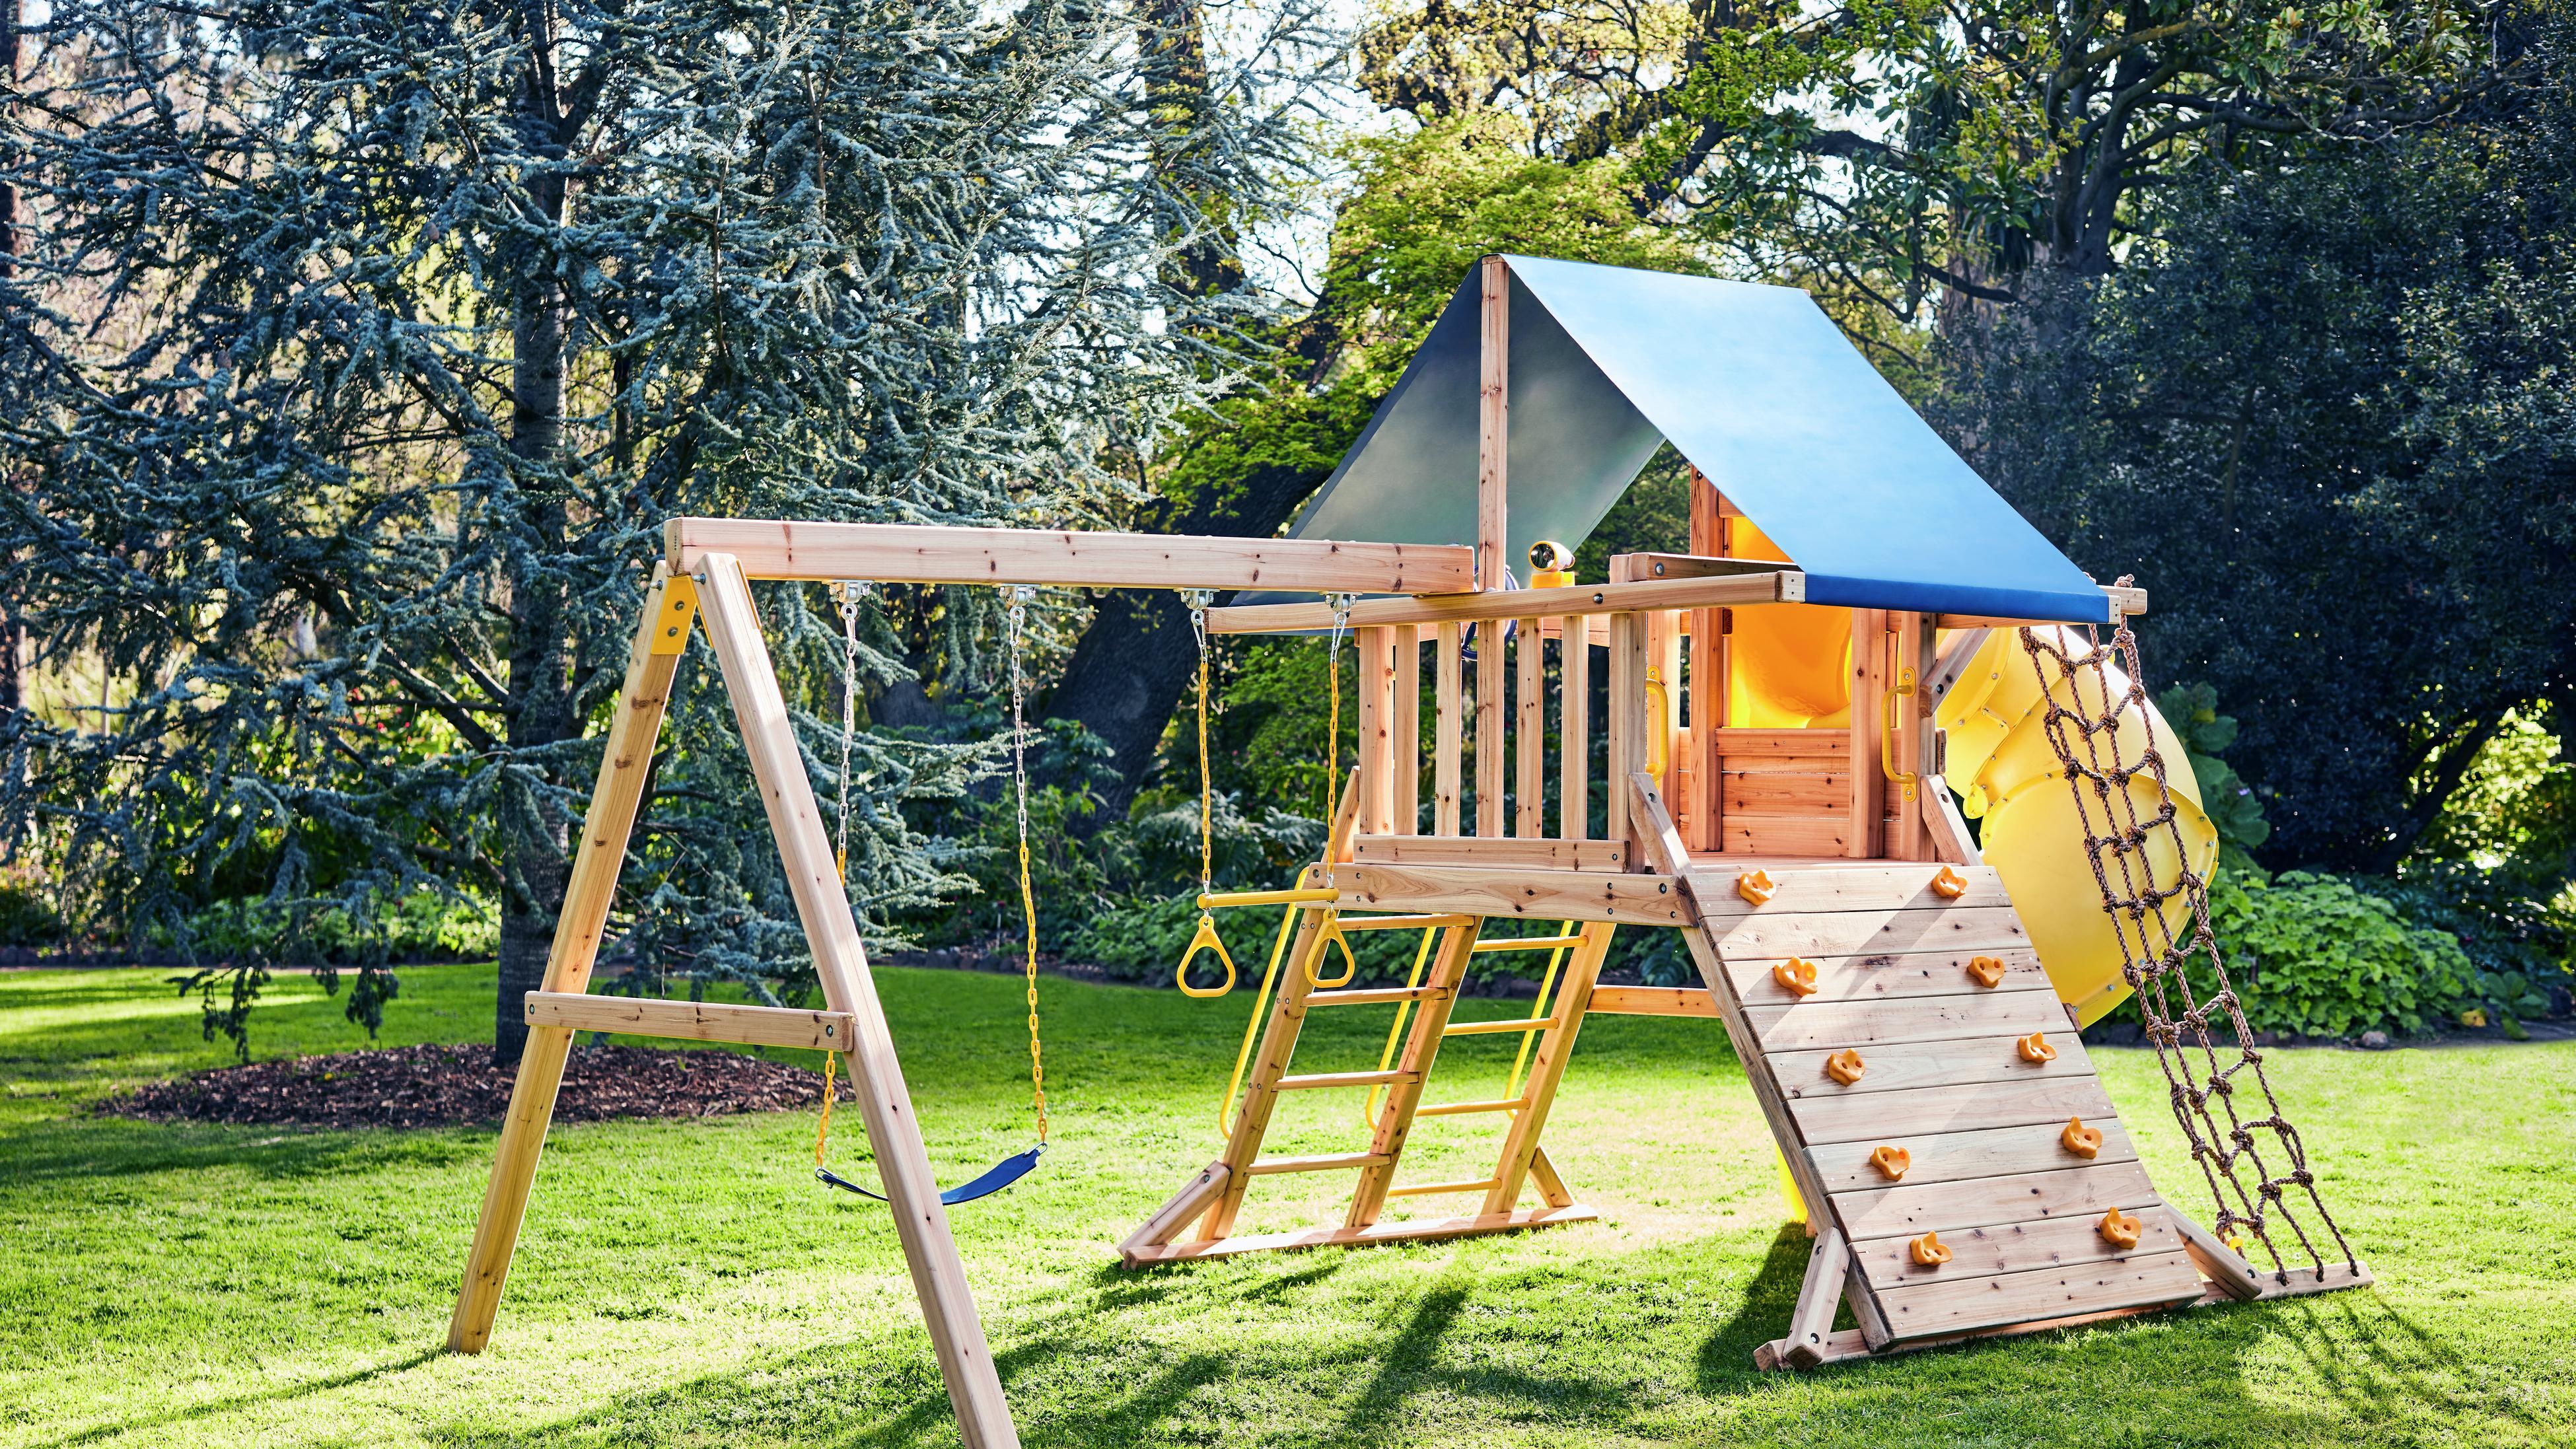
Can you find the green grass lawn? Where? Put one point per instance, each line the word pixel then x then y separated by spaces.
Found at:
pixel 688 1283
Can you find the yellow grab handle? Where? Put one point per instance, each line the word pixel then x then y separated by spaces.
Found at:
pixel 1659 738
pixel 1219 901
pixel 1350 964
pixel 1206 940
pixel 1887 735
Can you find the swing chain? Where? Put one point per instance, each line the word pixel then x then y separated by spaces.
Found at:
pixel 1333 730
pixel 848 593
pixel 1016 615
pixel 1198 600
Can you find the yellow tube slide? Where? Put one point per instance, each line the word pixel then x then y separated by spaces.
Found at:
pixel 1790 668
pixel 2002 770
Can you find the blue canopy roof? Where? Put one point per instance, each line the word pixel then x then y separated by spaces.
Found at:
pixel 1755 386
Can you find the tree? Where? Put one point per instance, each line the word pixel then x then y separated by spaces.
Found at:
pixel 1419 211
pixel 1896 151
pixel 2326 417
pixel 368 348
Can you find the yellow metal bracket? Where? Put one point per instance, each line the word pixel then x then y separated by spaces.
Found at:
pixel 679 609
pixel 1887 736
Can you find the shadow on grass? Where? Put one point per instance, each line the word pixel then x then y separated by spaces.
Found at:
pixel 76 1148
pixel 1726 1358
pixel 98 1432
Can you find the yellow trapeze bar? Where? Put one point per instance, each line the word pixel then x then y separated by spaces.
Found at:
pixel 1220 900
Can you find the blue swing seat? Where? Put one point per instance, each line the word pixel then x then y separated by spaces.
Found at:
pixel 1000 1175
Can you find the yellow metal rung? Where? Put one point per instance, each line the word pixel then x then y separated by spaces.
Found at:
pixel 1423 1189
pixel 1343 1079
pixel 1401 923
pixel 1490 1028
pixel 1525 943
pixel 1372 995
pixel 1325 1163
pixel 1453 1109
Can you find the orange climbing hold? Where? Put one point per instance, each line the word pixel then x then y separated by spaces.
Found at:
pixel 1845 1066
pixel 2079 1139
pixel 1948 884
pixel 2035 1048
pixel 1930 1251
pixel 1891 1162
pixel 1986 971
pixel 1797 975
pixel 1756 886
pixel 2120 1229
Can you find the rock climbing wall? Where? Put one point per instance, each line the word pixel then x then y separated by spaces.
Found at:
pixel 1922 1067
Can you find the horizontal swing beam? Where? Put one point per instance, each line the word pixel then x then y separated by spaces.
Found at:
pixel 1780 586
pixel 929 554
pixel 776 1026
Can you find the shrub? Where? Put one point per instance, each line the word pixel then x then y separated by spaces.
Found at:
pixel 2315 956
pixel 26 919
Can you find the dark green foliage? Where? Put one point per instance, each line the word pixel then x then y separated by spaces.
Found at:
pixel 2324 416
pixel 2315 956
pixel 27 919
pixel 356 355
pixel 2230 803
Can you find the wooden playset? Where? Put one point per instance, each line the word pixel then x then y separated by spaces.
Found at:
pixel 1859 626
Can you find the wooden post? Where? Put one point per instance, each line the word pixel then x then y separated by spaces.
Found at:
pixel 1489 729
pixel 1530 733
pixel 1408 729
pixel 1627 721
pixel 1868 689
pixel 841 963
pixel 1574 740
pixel 1664 649
pixel 1446 744
pixel 1908 839
pixel 1707 676
pixel 1377 729
pixel 670 607
pixel 1494 428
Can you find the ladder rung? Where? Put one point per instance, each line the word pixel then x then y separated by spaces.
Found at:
pixel 1344 1079
pixel 1372 995
pixel 1325 1163
pixel 1489 1028
pixel 1525 943
pixel 1422 1189
pixel 1400 923
pixel 1453 1109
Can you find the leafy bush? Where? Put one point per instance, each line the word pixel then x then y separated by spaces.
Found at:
pixel 2520 945
pixel 424 923
pixel 2316 956
pixel 26 919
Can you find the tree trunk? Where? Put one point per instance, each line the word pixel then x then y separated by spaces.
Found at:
pixel 12 634
pixel 1132 664
pixel 534 864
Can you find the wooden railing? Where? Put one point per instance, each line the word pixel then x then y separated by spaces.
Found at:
pixel 1508 699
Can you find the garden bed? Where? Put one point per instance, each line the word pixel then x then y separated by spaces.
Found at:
pixel 451 1086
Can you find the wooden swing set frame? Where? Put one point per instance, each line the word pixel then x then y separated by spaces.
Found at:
pixel 1863 826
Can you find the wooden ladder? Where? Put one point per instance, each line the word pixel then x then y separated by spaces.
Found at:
pixel 1213 1200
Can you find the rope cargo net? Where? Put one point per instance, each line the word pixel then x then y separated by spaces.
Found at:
pixel 2248 1150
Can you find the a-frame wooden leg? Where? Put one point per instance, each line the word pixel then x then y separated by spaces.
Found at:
pixel 1547 1067
pixel 669 606
pixel 823 907
pixel 1421 1051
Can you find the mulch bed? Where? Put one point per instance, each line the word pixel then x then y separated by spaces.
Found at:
pixel 449 1086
